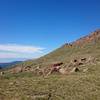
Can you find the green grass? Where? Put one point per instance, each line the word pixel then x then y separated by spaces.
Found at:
pixel 77 86
pixel 66 54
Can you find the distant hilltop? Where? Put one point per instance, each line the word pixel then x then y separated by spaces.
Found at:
pixel 6 65
pixel 93 37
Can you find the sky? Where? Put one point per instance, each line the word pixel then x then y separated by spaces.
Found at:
pixel 32 28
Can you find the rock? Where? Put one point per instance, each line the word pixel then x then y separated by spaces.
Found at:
pixel 62 71
pixel 57 64
pixel 83 59
pixel 85 70
pixel 75 69
pixel 1 73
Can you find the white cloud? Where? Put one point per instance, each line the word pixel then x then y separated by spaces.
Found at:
pixel 20 48
pixel 10 55
pixel 14 51
pixel 7 55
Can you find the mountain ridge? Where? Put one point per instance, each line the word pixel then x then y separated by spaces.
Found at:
pixel 6 65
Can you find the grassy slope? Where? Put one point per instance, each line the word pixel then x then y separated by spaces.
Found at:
pixel 77 86
pixel 66 54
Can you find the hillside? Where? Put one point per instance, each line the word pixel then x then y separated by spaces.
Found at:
pixel 86 47
pixel 77 74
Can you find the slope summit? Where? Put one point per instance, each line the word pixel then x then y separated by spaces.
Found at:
pixel 93 37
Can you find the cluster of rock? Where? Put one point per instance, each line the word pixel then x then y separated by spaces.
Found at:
pixel 73 66
pixel 59 67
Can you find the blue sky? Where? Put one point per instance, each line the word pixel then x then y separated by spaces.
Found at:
pixel 32 28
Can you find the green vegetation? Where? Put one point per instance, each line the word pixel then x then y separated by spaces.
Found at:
pixel 66 54
pixel 75 86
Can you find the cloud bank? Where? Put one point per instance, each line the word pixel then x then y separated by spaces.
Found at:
pixel 8 51
pixel 20 48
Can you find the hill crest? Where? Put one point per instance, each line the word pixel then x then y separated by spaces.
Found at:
pixel 92 37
